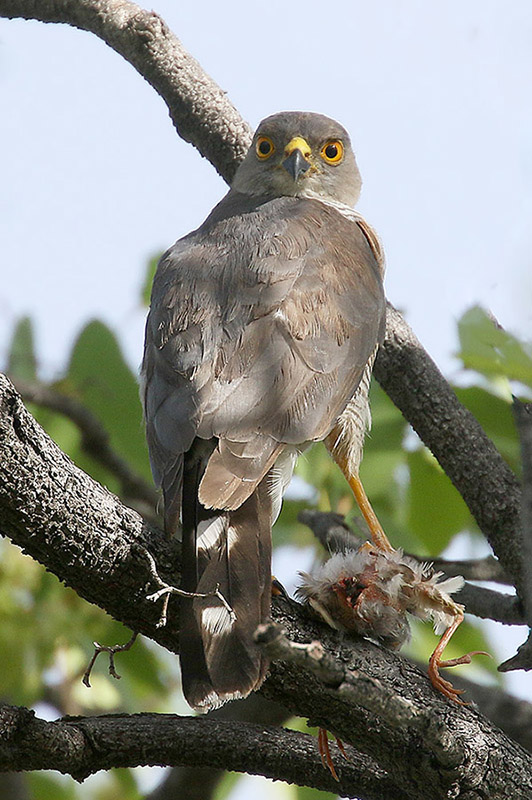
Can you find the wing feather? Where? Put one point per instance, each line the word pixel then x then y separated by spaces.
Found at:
pixel 262 322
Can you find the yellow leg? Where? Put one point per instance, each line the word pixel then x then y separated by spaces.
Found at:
pixel 380 539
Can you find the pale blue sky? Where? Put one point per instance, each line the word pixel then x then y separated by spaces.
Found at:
pixel 436 96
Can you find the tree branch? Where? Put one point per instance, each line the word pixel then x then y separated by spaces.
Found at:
pixel 81 532
pixel 523 420
pixel 470 459
pixel 200 783
pixel 81 746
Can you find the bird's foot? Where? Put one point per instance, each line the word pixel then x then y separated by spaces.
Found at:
pixel 444 686
pixel 325 752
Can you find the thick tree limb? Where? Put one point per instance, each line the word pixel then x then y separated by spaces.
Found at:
pixel 523 419
pixel 81 746
pixel 81 532
pixel 200 783
pixel 470 459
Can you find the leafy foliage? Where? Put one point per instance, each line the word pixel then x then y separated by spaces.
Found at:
pixel 492 351
pixel 48 630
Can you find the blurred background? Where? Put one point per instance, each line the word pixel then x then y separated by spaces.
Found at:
pixel 95 184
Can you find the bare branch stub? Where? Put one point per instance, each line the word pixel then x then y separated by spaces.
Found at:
pixel 166 590
pixel 111 650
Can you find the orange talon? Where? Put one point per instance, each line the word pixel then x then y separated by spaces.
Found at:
pixel 341 748
pixel 325 753
pixel 435 662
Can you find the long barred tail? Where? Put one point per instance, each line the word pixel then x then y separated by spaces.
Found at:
pixel 231 550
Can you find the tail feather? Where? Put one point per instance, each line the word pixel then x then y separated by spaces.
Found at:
pixel 230 550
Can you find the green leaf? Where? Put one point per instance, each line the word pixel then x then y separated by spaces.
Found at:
pixel 122 785
pixel 21 362
pixel 308 793
pixel 492 351
pixel 226 785
pixel 100 378
pixel 435 510
pixel 49 786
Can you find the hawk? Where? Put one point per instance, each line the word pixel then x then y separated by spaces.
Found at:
pixel 262 331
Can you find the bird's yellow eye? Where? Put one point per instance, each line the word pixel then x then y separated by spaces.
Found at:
pixel 264 147
pixel 333 151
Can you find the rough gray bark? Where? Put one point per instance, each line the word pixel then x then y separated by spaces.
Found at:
pixel 81 746
pixel 83 534
pixel 200 783
pixel 94 440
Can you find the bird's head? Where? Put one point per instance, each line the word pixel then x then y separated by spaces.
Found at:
pixel 300 154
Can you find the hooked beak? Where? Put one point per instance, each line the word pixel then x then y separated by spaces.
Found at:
pixel 296 161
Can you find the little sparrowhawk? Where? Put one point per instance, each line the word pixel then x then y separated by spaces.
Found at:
pixel 263 327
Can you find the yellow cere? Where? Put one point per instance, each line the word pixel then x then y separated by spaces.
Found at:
pixel 298 143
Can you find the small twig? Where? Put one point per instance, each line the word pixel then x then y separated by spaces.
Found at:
pixel 111 650
pixel 167 589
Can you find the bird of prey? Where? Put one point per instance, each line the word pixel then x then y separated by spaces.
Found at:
pixel 263 327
